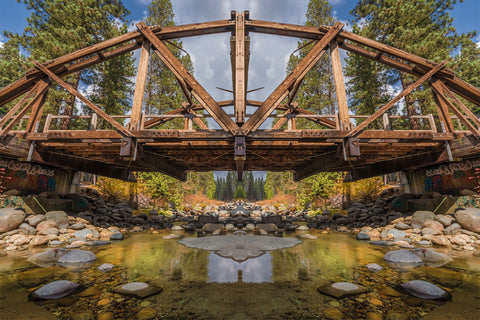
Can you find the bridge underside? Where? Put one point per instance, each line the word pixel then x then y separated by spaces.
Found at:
pixel 136 142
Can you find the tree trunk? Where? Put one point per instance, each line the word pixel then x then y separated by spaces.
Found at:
pixel 70 105
pixel 414 125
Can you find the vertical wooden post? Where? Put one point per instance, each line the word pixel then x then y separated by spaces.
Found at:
pixel 433 126
pixel 240 81
pixel 140 86
pixel 93 121
pixel 340 86
pixel 48 120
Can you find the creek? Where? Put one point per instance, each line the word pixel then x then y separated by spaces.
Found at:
pixel 280 284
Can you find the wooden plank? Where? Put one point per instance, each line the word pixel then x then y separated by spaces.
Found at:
pixel 239 72
pixel 472 116
pixel 140 85
pixel 262 113
pixel 90 104
pixel 18 105
pixel 392 102
pixel 344 115
pixel 442 110
pixel 180 72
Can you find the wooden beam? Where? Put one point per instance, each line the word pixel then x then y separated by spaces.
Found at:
pixel 442 109
pixel 41 89
pixel 318 164
pixel 439 91
pixel 180 72
pixel 262 113
pixel 160 164
pixel 344 115
pixel 90 104
pixel 239 75
pixel 392 102
pixel 37 109
pixel 140 86
pixel 19 105
pixel 472 116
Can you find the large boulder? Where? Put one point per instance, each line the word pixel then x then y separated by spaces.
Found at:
pixel 425 290
pixel 84 233
pixel 469 218
pixel 432 256
pixel 265 228
pixel 452 229
pixel 54 290
pixel 48 257
pixel 213 228
pixel 47 224
pixel 78 256
pixel 60 217
pixel 402 256
pixel 35 220
pixel 11 218
pixel 420 217
pixel 27 229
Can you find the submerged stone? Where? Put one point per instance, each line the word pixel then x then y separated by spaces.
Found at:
pixel 402 256
pixel 78 256
pixel 374 267
pixel 137 289
pixel 105 267
pixel 54 290
pixel 342 289
pixel 425 290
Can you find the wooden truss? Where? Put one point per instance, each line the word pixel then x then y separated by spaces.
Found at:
pixel 240 145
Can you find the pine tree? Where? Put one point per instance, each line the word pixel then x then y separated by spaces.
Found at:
pixel 423 28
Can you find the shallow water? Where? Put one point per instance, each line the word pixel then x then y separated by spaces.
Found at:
pixel 280 284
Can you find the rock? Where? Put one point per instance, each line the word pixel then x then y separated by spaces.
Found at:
pixel 173 236
pixel 137 289
pixel 97 243
pixel 461 239
pixel 47 224
pixel 432 256
pixel 47 257
pixel 39 241
pixel 306 236
pixel 117 236
pixel 77 226
pixel 213 227
pixel 452 229
pixel 12 193
pixel 77 256
pixel 27 229
pixel 402 226
pixel 466 192
pixel 230 227
pixel 84 233
pixel 444 219
pixel 54 290
pixel 146 314
pixel 469 218
pixel 11 218
pixel 362 236
pixel 75 244
pixel 35 220
pixel 36 276
pixel 395 233
pixel 419 217
pixel 374 267
pixel 105 267
pixel 60 217
pixel 332 314
pixel 402 256
pixel 404 244
pixel 249 227
pixel 425 290
pixel 266 228
pixel 106 316
pixel 432 224
pixel 176 228
pixel 19 239
pixel 382 243
pixel 430 231
pixel 303 228
pixel 441 241
pixel 342 289
pixel 424 243
pixel 49 231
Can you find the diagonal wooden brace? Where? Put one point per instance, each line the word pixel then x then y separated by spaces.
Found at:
pixel 90 104
pixel 290 81
pixel 167 57
pixel 392 102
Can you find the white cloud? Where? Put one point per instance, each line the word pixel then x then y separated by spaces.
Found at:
pixel 144 2
pixel 1 42
pixel 478 42
pixel 335 2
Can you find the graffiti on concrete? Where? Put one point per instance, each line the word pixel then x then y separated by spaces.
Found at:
pixel 26 177
pixel 453 177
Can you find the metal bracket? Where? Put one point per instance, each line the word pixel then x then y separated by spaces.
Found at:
pixel 353 147
pixel 125 147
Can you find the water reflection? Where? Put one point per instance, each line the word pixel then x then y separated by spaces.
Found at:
pixel 224 270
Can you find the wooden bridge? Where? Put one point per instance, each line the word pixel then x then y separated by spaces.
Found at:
pixel 114 149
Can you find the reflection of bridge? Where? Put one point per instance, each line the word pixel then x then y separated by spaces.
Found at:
pixel 114 149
